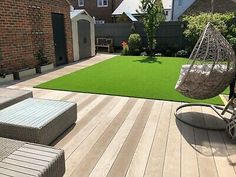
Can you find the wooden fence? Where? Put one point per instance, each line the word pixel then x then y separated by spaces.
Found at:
pixel 169 35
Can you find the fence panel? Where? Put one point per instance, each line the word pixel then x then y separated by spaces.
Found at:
pixel 169 34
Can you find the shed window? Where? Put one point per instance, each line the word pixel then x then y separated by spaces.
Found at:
pixel 102 3
pixel 81 3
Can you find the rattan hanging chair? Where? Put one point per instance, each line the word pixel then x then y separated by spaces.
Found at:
pixel 211 67
pixel 208 72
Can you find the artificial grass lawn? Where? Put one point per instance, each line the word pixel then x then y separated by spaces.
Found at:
pixel 128 76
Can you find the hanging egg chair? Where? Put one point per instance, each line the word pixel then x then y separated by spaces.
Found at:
pixel 209 70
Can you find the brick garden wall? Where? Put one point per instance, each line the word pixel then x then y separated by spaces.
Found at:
pixel 26 26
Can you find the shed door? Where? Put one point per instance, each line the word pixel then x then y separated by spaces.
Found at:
pixel 84 34
pixel 59 38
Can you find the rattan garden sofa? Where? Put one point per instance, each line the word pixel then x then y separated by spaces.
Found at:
pixel 37 120
pixel 22 159
pixel 9 97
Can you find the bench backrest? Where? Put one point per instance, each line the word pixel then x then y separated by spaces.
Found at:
pixel 104 41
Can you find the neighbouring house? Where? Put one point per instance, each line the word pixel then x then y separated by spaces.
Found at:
pixel 101 10
pixel 191 7
pixel 27 26
pixel 129 10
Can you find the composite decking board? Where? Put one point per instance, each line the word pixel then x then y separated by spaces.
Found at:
pixel 172 164
pixel 140 158
pixel 204 152
pixel 188 153
pixel 83 149
pixel 85 102
pixel 105 163
pixel 124 158
pixel 117 118
pixel 91 107
pixel 206 162
pixel 87 106
pixel 220 155
pixel 156 160
pixel 231 150
pixel 90 122
pixel 226 157
pixel 68 97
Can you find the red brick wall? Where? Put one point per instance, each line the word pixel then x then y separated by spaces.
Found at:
pixel 101 13
pixel 25 25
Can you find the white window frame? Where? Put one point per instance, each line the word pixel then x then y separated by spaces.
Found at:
pixel 81 3
pixel 102 3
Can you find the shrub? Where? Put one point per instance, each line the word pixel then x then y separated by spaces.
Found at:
pixel 125 48
pixel 182 53
pixel 42 59
pixel 134 43
pixel 222 22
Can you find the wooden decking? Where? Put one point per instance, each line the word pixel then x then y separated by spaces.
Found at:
pixel 120 136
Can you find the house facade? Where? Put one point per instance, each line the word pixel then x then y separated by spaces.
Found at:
pixel 27 26
pixel 101 10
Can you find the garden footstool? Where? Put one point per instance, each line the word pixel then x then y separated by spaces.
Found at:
pixel 37 120
pixel 9 97
pixel 22 159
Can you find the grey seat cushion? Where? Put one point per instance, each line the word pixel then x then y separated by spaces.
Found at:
pixel 37 120
pixel 22 159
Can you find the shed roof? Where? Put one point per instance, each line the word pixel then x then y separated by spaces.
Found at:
pixel 75 13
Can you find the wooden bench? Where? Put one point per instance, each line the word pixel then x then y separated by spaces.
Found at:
pixel 105 43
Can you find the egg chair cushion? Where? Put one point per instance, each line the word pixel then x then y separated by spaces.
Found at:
pixel 201 82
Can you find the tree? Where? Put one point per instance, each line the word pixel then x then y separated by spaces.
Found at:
pixel 152 15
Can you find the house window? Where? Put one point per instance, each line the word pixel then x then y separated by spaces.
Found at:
pixel 81 3
pixel 102 3
pixel 167 13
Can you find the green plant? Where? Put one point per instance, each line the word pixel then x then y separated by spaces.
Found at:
pixel 1 55
pixel 222 22
pixel 182 53
pixel 42 59
pixel 152 15
pixel 125 48
pixel 3 73
pixel 134 43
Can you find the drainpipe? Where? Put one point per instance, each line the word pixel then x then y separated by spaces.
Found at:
pixel 172 12
pixel 112 7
